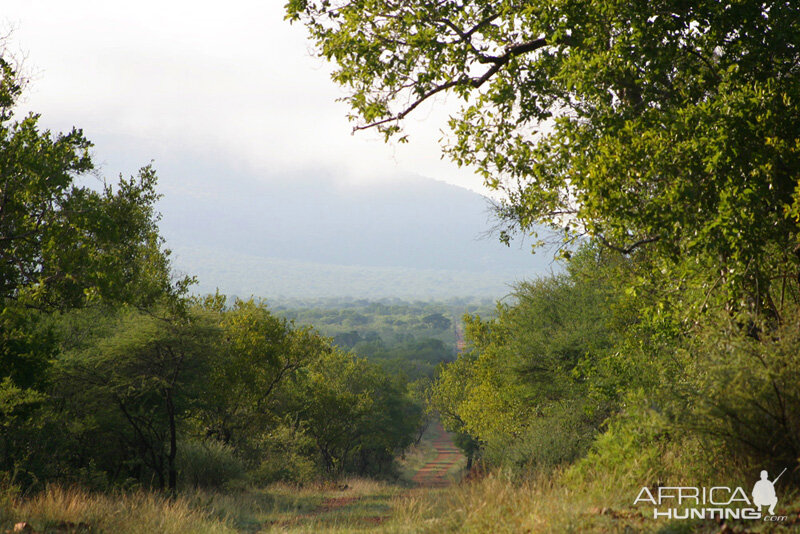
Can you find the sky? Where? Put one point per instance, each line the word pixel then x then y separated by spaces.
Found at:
pixel 228 81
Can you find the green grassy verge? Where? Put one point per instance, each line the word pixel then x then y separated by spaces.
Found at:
pixel 495 503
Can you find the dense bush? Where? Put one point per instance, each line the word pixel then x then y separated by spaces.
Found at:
pixel 591 362
pixel 560 436
pixel 209 464
pixel 522 391
pixel 289 455
pixel 743 386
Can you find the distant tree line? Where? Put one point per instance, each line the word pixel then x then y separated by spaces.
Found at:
pixel 406 338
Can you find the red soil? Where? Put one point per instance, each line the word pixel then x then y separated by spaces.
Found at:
pixel 433 474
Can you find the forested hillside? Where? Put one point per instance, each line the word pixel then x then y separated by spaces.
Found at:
pixel 406 338
pixel 306 235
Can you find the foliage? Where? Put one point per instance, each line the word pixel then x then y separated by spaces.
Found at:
pixel 257 354
pixel 744 389
pixel 393 322
pixel 664 131
pixel 406 338
pixel 232 388
pixel 145 370
pixel 209 464
pixel 357 416
pixel 289 455
pixel 63 246
pixel 642 124
pixel 560 435
pixel 236 387
pixel 414 360
pixel 524 380
pixel 110 376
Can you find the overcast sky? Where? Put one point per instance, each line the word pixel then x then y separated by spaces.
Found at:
pixel 231 81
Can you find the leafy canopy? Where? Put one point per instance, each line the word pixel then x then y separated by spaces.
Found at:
pixel 62 243
pixel 668 124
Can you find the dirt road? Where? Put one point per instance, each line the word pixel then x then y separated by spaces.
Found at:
pixel 434 474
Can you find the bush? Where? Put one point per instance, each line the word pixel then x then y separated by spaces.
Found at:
pixel 642 446
pixel 562 435
pixel 208 464
pixel 288 456
pixel 744 388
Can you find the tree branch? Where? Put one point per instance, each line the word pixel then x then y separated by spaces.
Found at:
pixel 629 248
pixel 498 63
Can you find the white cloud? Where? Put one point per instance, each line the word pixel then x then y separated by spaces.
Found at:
pixel 232 79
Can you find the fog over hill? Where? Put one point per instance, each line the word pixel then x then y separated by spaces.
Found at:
pixel 311 234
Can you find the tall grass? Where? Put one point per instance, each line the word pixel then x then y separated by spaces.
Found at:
pixel 500 503
pixel 564 500
pixel 277 507
pixel 74 509
pixel 209 464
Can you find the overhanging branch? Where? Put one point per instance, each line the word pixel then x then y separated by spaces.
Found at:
pixel 630 248
pixel 498 62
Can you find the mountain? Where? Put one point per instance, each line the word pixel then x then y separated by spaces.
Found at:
pixel 310 234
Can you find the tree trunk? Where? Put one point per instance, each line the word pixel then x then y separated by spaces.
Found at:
pixel 173 445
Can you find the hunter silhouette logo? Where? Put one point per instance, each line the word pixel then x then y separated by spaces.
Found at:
pixel 717 502
pixel 764 492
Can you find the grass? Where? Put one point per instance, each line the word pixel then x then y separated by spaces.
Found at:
pixel 60 509
pixel 351 505
pixel 594 497
pixel 542 504
pixel 425 454
pixel 495 503
pixel 346 506
pixel 498 504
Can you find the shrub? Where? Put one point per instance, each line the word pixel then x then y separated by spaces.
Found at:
pixel 562 435
pixel 208 464
pixel 288 456
pixel 744 387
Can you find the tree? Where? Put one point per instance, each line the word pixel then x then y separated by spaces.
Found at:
pixel 257 355
pixel 356 415
pixel 141 373
pixel 62 246
pixel 61 243
pixel 527 388
pixel 669 126
pixel 436 321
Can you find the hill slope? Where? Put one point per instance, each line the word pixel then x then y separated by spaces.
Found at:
pixel 308 235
